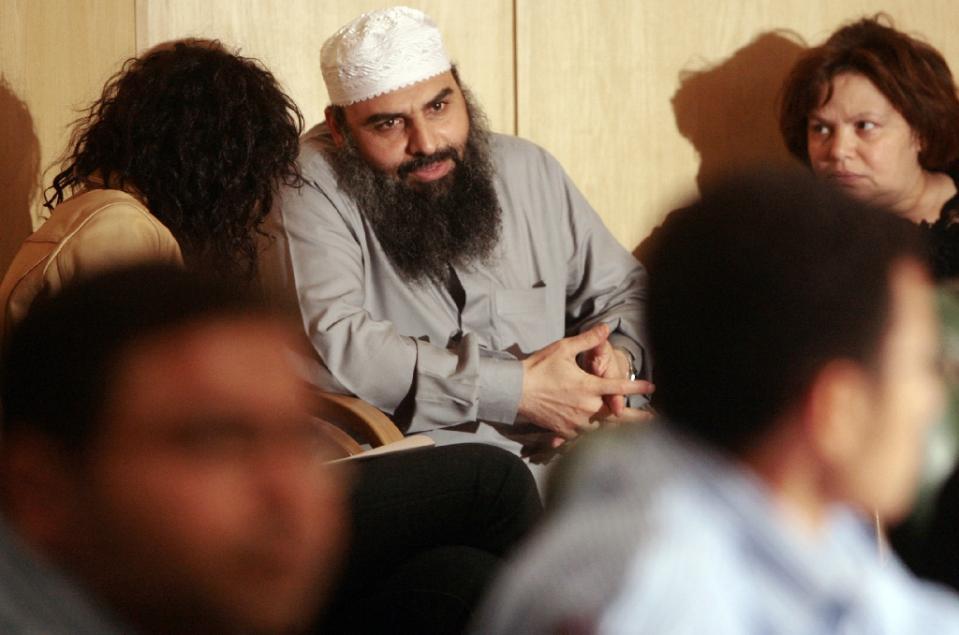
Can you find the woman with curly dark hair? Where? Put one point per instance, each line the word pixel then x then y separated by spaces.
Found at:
pixel 875 111
pixel 177 161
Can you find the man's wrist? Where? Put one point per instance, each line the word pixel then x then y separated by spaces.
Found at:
pixel 631 372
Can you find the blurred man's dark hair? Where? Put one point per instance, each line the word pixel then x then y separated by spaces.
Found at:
pixel 61 362
pixel 754 288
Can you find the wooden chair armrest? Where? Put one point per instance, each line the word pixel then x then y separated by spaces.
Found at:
pixel 344 445
pixel 358 418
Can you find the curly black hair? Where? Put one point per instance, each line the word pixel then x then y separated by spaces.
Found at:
pixel 203 135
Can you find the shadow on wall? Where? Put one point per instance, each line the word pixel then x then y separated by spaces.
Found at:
pixel 729 111
pixel 19 173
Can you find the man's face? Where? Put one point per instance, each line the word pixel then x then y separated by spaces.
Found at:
pixel 207 497
pixel 434 204
pixel 414 132
pixel 906 398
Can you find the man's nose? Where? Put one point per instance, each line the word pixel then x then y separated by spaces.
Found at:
pixel 421 140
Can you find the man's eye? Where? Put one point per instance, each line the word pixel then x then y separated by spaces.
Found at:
pixel 866 125
pixel 438 106
pixel 388 124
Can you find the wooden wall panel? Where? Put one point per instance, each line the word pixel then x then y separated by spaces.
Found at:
pixel 55 56
pixel 640 99
pixel 287 35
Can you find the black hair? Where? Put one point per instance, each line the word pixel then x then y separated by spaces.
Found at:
pixel 754 288
pixel 64 356
pixel 205 136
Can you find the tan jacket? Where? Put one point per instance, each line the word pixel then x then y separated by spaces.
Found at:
pixel 87 233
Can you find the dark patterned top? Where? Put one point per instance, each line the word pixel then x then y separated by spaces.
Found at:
pixel 943 236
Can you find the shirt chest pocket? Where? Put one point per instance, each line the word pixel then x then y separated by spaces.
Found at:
pixel 522 319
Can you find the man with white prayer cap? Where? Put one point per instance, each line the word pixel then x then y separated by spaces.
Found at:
pixel 452 277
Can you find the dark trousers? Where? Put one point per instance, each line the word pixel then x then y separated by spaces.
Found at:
pixel 430 530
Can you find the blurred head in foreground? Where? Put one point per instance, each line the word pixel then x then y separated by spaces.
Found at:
pixel 156 448
pixel 794 329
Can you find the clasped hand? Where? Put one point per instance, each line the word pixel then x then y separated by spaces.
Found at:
pixel 560 396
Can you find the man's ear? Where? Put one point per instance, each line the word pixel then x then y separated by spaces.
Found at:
pixel 40 486
pixel 334 127
pixel 837 414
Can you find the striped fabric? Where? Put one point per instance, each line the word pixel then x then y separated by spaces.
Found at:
pixel 36 600
pixel 657 535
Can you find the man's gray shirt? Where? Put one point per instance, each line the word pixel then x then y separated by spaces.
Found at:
pixel 451 352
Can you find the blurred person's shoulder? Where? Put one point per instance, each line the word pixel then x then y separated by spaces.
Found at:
pixel 36 598
pixel 623 496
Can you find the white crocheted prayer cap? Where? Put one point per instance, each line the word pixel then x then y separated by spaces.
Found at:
pixel 380 52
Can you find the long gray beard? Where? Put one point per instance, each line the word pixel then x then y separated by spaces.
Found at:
pixel 428 227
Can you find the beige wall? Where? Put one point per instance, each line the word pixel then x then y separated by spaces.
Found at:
pixel 287 35
pixel 639 99
pixel 55 56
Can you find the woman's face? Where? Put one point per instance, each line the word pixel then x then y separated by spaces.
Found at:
pixel 861 142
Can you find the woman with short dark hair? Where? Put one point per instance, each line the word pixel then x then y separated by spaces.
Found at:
pixel 875 111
